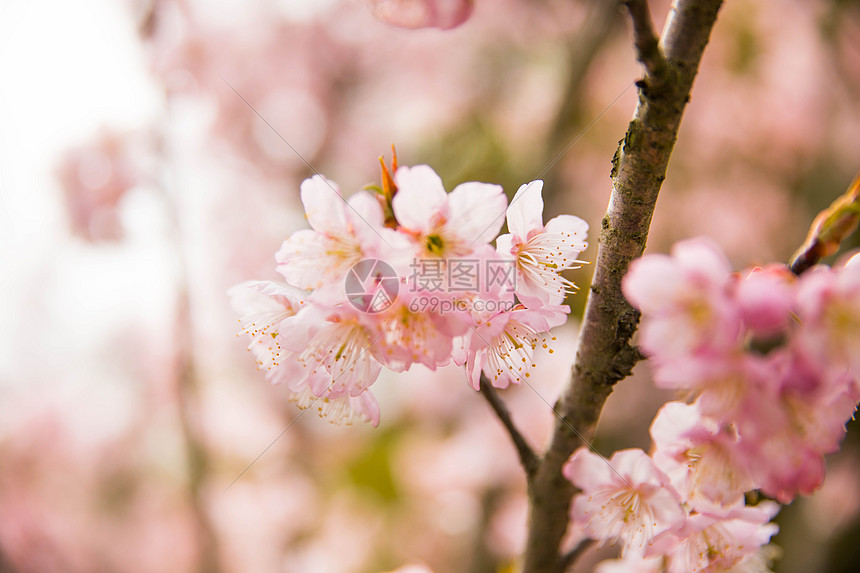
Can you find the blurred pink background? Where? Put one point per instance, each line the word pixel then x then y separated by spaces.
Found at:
pixel 136 187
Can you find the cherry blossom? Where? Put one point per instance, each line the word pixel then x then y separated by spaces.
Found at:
pixel 829 309
pixel 701 457
pixel 263 306
pixel 624 498
pixel 343 233
pixel 443 14
pixel 444 224
pixel 541 251
pixel 406 334
pixel 333 346
pixel 712 542
pixel 503 345
pixel 770 361
pixel 452 296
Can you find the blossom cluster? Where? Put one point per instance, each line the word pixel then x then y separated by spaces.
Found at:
pixel 405 274
pixel 769 365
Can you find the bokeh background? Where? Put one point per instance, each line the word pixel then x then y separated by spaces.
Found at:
pixel 137 184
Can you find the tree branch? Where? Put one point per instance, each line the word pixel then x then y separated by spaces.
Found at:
pixel 605 355
pixel 569 558
pixel 645 41
pixel 528 458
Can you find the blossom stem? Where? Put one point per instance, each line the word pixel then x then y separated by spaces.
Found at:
pixel 605 355
pixel 528 458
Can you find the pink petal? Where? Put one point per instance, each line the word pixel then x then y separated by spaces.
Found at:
pixel 588 471
pixel 505 245
pixel 420 198
pixel 573 226
pixel 443 14
pixel 364 209
pixel 525 213
pixel 299 259
pixel 653 283
pixel 324 205
pixel 637 467
pixel 473 369
pixel 476 211
pixel 703 257
pixel 366 406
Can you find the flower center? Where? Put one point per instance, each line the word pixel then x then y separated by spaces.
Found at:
pixel 434 245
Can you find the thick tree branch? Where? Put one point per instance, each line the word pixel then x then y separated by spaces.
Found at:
pixel 528 458
pixel 604 355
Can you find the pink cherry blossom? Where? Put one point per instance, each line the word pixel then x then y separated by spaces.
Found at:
pixel 829 309
pixel 342 233
pixel 450 296
pixel 446 225
pixel 263 306
pixel 770 360
pixel 700 456
pixel 541 251
pixel 712 542
pixel 406 333
pixel 503 345
pixel 626 497
pixel 443 14
pixel 765 297
pixel 333 346
pixel 338 407
pixel 686 297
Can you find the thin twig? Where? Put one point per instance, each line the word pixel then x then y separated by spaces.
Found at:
pixel 528 458
pixel 569 558
pixel 645 41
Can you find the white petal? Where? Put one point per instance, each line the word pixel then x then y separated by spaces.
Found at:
pixel 477 211
pixel 420 197
pixel 324 204
pixel 525 212
pixel 473 370
pixel 364 209
pixel 575 231
pixel 505 245
pixel 301 259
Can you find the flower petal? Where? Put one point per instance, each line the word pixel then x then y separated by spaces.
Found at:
pixel 420 197
pixel 324 204
pixel 476 211
pixel 525 213
pixel 300 259
pixel 576 231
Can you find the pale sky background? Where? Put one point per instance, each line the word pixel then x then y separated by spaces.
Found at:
pixel 67 70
